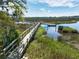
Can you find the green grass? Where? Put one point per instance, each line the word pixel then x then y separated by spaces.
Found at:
pixel 22 27
pixel 62 21
pixel 68 29
pixel 44 47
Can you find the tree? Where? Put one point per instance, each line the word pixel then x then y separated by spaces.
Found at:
pixel 7 29
pixel 7 24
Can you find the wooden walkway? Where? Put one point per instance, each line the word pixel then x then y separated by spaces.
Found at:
pixel 18 51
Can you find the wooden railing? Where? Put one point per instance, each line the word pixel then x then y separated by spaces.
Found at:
pixel 16 48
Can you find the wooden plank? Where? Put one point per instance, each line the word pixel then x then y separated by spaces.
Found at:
pixel 18 51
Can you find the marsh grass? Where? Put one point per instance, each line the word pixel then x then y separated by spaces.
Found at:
pixel 44 47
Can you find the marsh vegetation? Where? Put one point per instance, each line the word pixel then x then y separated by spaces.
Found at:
pixel 44 47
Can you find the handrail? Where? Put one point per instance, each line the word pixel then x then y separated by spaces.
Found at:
pixel 6 48
pixel 20 47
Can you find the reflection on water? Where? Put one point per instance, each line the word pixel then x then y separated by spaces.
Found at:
pixel 53 31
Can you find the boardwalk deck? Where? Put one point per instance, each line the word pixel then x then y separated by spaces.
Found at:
pixel 18 51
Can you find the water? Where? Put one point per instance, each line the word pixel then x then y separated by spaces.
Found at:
pixel 72 25
pixel 53 31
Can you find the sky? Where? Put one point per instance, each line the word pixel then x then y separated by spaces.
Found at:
pixel 52 8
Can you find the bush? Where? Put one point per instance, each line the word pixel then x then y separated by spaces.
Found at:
pixel 7 29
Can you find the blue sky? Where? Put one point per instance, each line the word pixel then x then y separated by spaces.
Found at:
pixel 46 8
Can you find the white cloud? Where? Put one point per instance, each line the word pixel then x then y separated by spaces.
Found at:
pixel 43 13
pixel 44 10
pixel 57 3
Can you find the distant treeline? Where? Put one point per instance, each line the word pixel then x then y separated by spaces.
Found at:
pixel 52 18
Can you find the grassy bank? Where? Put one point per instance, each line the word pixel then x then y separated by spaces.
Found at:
pixel 67 30
pixel 45 48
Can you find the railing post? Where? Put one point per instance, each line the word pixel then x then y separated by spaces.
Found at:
pixel 18 56
pixel 4 55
